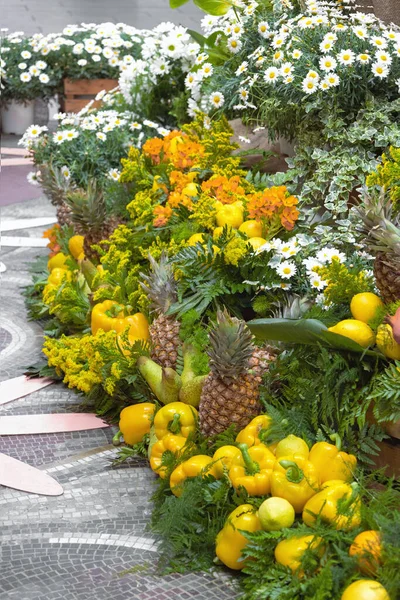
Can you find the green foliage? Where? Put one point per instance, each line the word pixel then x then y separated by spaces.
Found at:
pixel 385 394
pixel 313 392
pixel 194 333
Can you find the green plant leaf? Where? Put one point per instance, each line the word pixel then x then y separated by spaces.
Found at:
pixel 304 331
pixel 200 39
pixel 177 3
pixel 216 8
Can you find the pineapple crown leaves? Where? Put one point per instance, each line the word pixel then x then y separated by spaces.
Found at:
pixel 231 346
pixel 88 206
pixel 160 284
pixel 378 223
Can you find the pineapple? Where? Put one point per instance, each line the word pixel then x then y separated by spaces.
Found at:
pixel 88 214
pixel 382 233
pixel 56 187
pixel 230 393
pixel 160 286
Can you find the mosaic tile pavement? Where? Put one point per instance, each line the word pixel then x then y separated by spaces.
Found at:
pixel 93 541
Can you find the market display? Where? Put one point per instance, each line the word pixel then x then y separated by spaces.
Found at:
pixel 241 326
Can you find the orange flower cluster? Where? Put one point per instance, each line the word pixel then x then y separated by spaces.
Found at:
pixel 274 202
pixel 176 148
pixel 223 189
pixel 51 235
pixel 162 215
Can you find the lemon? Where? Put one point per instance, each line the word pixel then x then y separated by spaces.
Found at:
pixel 257 242
pixel 363 306
pixel 251 228
pixel 195 239
pixel 276 513
pixel 291 445
pixel 358 331
pixel 386 342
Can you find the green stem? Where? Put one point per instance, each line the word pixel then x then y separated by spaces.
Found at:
pixel 293 472
pixel 335 438
pixel 175 426
pixel 250 465
pixel 117 438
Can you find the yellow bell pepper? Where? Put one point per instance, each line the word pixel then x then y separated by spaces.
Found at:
pixel 223 458
pixel 253 469
pixel 335 498
pixel 289 552
pixel 194 466
pixel 105 317
pixel 230 542
pixel 57 275
pixel 57 261
pixel 331 463
pixel 295 479
pixel 75 246
pixel 175 417
pixel 134 423
pixel 169 443
pixel 249 435
pixel 229 214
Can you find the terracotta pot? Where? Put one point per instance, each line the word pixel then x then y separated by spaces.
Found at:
pixel 16 118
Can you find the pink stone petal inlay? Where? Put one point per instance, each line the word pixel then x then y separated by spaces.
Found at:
pixel 57 423
pixel 18 387
pixel 20 476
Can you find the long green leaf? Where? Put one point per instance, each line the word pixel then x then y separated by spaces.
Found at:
pixel 200 39
pixel 177 3
pixel 304 331
pixel 216 8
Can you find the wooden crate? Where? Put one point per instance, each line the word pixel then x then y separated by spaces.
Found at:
pixel 78 92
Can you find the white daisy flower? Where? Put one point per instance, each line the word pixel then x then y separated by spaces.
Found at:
pixel 78 49
pixel 286 69
pixel 346 57
pixel 296 54
pixel 191 80
pixel 44 51
pixel 44 78
pixel 243 94
pixel 288 249
pixel 311 264
pixel 379 42
pixel 278 56
pixel 288 79
pixel 22 66
pixel 326 45
pixel 383 57
pixel 217 99
pixel 271 75
pixel 25 77
pixel 114 174
pixel 335 254
pixel 162 131
pixel 392 35
pixel 82 62
pixel 397 51
pixel 34 131
pixel 32 178
pixel 201 58
pixel 363 58
pixel 206 70
pixel 41 64
pixel 333 79
pixel 59 116
pixel 96 58
pixel 237 30
pixel 33 70
pixel 380 70
pixel 327 63
pixel 234 45
pixel 317 283
pixel 340 27
pixel 263 29
pixel 66 172
pixel 242 68
pixel 309 86
pixel 312 75
pixel 286 269
pixel 71 134
pixel 59 137
pixel 360 31
pixel 26 54
pixel 278 41
pixel 101 136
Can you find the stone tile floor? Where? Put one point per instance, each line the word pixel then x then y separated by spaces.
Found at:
pixel 79 545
